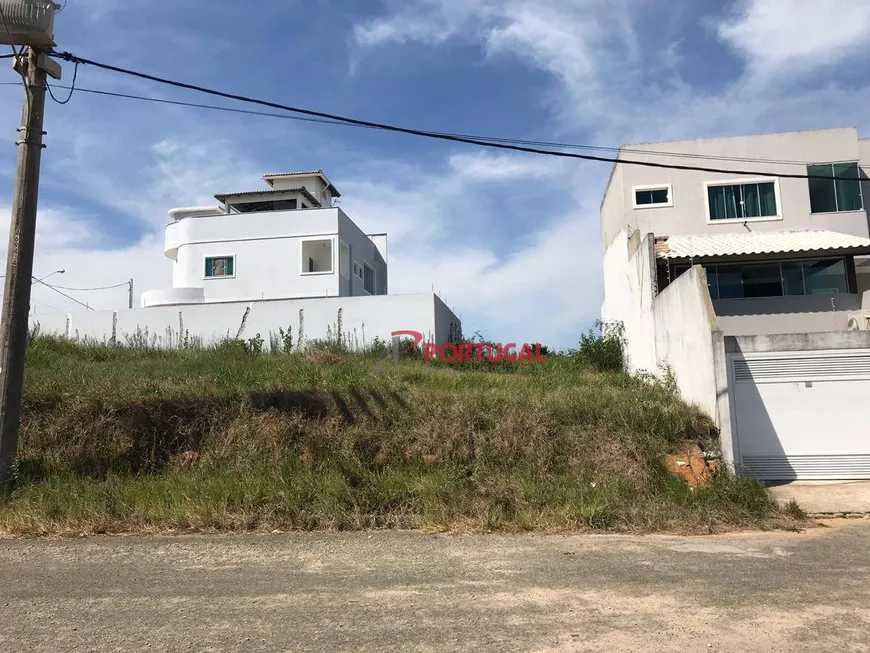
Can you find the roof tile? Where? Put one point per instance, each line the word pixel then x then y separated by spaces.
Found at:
pixel 769 242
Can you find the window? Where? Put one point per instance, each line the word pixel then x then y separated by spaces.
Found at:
pixel 368 279
pixel 317 256
pixel 357 270
pixel 344 260
pixel 839 190
pixel 789 278
pixel 825 277
pixel 266 205
pixel 219 266
pixel 652 196
pixel 742 201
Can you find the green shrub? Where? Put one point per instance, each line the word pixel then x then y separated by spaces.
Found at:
pixel 604 352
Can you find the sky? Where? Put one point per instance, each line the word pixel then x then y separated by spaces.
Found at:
pixel 510 241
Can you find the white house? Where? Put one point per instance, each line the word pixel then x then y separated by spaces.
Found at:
pixel 284 257
pixel 288 242
pixel 746 272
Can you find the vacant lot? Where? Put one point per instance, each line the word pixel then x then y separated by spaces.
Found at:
pixel 119 439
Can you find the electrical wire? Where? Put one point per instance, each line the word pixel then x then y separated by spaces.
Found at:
pixel 67 56
pixel 215 107
pixel 54 308
pixel 59 292
pixel 284 116
pixel 118 285
pixel 72 88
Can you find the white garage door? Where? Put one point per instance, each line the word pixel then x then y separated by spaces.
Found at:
pixel 802 415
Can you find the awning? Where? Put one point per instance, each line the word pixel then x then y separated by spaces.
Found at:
pixel 769 242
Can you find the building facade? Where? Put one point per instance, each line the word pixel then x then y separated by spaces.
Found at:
pixel 782 254
pixel 746 275
pixel 259 263
pixel 287 242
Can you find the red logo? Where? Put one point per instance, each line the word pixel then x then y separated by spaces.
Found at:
pixel 470 352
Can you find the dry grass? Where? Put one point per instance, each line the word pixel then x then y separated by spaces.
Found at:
pixel 120 440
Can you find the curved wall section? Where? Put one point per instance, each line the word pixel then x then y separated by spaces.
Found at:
pixel 172 296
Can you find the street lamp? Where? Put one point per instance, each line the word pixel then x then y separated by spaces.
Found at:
pixel 61 271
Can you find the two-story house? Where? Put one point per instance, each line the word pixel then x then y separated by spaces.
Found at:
pixel 742 264
pixel 782 254
pixel 287 242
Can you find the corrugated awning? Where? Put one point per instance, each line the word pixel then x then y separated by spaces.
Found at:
pixel 267 194
pixel 770 242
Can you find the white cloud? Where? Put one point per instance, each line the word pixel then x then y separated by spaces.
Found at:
pixel 535 277
pixel 588 45
pixel 67 240
pixel 793 37
pixel 483 166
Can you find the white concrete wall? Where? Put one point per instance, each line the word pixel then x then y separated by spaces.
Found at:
pixel 362 250
pixel 677 328
pixel 799 314
pixel 263 269
pixel 448 327
pixel 363 318
pixel 628 297
pixel 313 184
pixel 684 328
pixel 267 251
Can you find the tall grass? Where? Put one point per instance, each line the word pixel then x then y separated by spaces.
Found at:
pixel 120 439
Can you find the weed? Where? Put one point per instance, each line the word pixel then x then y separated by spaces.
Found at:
pixel 125 438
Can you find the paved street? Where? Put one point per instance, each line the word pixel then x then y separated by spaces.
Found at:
pixel 414 592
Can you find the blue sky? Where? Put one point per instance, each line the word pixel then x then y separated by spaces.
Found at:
pixel 510 241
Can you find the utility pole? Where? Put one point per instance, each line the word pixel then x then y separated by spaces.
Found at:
pixel 130 294
pixel 19 262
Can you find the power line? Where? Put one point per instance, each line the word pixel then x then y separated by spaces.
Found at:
pixel 215 107
pixel 66 56
pixel 48 285
pixel 493 139
pixel 72 88
pixel 54 308
pixel 118 285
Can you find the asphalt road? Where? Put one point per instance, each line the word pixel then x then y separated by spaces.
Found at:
pixel 414 592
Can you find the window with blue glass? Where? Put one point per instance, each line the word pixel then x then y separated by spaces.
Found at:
pixel 219 266
pixel 742 201
pixel 835 187
pixel 777 279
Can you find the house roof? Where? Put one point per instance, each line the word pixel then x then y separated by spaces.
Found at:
pixel 222 197
pixel 311 173
pixel 770 242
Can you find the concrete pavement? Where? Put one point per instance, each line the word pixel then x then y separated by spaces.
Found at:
pixel 826 496
pixel 394 591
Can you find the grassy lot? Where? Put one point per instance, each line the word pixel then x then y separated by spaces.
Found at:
pixel 119 439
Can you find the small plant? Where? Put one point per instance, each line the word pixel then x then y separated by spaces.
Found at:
pixel 140 339
pixel 329 344
pixel 379 346
pixel 286 339
pixel 604 352
pixel 794 510
pixel 33 334
pixel 254 346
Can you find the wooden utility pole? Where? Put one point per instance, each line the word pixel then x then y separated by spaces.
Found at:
pixel 130 294
pixel 19 261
